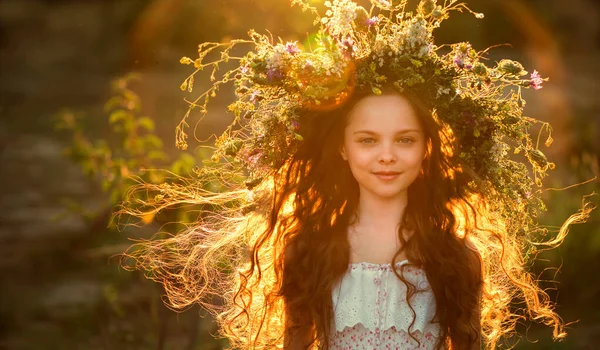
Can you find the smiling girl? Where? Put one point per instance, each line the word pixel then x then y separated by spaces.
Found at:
pixel 390 272
pixel 367 198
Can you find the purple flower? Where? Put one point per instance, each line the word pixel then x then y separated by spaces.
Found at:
pixel 347 46
pixel 274 74
pixel 536 80
pixel 292 48
pixel 295 125
pixel 459 62
pixel 255 156
pixel 372 21
pixel 245 69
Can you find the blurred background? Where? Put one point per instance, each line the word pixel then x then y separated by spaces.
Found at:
pixel 74 124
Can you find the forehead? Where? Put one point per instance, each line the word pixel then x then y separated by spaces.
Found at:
pixel 385 113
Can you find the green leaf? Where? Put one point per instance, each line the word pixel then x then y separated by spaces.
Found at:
pixel 511 67
pixel 146 123
pixel 113 103
pixel 184 164
pixel 160 155
pixel 135 146
pixel 119 115
pixel 132 100
pixel 416 63
pixel 153 140
pixel 204 153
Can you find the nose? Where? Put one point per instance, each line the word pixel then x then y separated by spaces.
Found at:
pixel 387 156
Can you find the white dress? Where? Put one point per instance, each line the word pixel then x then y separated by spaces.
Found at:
pixel 370 309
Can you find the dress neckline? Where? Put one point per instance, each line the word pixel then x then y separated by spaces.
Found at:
pixel 370 264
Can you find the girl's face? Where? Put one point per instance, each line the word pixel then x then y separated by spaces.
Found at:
pixel 384 145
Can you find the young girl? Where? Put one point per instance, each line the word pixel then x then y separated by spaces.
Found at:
pixel 366 196
pixel 383 265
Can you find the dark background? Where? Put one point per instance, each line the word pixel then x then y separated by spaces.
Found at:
pixel 60 287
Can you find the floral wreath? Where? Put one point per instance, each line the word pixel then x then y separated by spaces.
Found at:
pixel 356 48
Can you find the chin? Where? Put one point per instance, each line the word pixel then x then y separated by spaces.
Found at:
pixel 388 194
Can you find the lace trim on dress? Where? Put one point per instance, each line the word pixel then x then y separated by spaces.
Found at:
pixel 360 338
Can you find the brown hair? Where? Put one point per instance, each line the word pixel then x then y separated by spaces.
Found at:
pixel 320 247
pixel 275 266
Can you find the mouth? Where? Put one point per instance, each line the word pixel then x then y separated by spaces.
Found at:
pixel 387 175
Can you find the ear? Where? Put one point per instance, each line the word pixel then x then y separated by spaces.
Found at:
pixel 343 152
pixel 424 163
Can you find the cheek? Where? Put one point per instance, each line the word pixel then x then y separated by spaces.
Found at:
pixel 415 161
pixel 417 157
pixel 357 157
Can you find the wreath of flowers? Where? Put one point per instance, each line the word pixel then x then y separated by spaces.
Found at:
pixel 356 48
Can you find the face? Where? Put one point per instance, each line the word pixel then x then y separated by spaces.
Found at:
pixel 384 145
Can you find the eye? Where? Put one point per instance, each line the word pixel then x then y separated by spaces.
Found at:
pixel 406 140
pixel 367 140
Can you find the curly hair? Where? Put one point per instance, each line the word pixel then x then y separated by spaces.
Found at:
pixel 275 264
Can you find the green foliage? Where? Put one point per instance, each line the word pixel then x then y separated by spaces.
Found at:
pixel 128 156
pixel 120 161
pixel 360 49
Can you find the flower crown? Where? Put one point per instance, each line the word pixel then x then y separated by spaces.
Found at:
pixel 356 48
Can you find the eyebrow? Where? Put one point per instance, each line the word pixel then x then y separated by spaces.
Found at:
pixel 406 131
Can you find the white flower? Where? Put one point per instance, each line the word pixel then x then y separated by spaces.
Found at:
pixel 499 151
pixel 442 91
pixel 416 36
pixel 337 68
pixel 339 17
pixel 384 4
pixel 275 58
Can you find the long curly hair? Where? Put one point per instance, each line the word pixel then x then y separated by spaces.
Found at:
pixel 273 265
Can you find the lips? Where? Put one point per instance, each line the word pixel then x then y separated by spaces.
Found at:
pixel 387 175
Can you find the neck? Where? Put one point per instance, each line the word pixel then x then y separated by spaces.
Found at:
pixel 381 214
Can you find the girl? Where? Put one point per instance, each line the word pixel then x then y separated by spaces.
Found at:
pixel 364 196
pixel 384 260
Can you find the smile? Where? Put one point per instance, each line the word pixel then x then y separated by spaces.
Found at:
pixel 387 175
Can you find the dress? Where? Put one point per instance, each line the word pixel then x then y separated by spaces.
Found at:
pixel 371 312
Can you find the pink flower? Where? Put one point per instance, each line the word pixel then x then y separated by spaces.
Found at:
pixel 253 96
pixel 458 61
pixel 461 62
pixel 347 46
pixel 255 156
pixel 309 66
pixel 536 80
pixel 274 74
pixel 372 21
pixel 292 48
